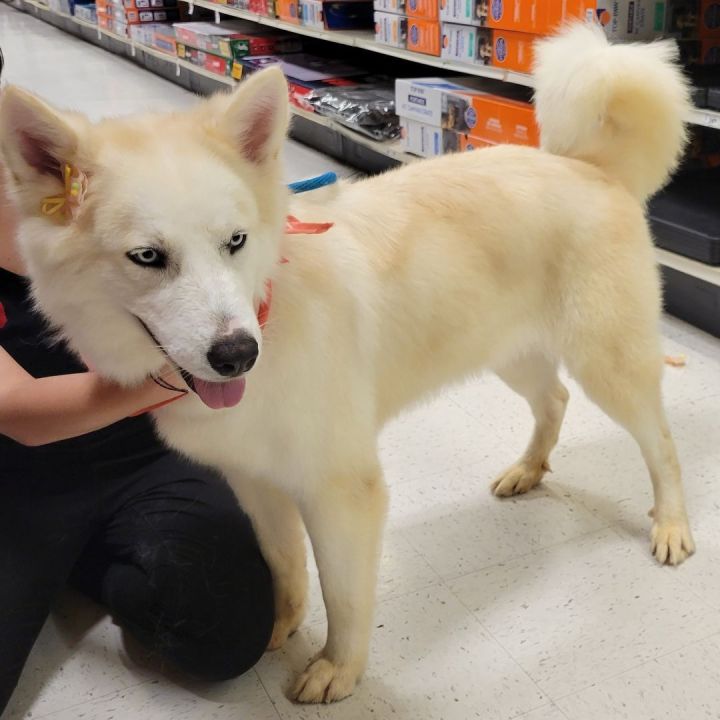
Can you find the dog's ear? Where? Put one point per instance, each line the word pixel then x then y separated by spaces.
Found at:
pixel 35 140
pixel 256 119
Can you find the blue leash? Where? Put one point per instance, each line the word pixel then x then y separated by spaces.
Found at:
pixel 313 183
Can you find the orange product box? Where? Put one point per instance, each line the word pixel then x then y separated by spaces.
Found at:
pixel 468 142
pixel 506 49
pixel 496 119
pixel 423 36
pixel 540 17
pixel 288 10
pixel 424 9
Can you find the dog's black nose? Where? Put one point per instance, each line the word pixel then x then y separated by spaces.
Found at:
pixel 233 355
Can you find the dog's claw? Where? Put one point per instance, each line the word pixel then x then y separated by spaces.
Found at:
pixel 324 682
pixel 519 478
pixel 671 542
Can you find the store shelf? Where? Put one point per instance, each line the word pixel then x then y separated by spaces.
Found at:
pixel 708 273
pixel 706 118
pixel 390 150
pixel 365 40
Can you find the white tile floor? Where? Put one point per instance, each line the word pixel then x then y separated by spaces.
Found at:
pixel 547 607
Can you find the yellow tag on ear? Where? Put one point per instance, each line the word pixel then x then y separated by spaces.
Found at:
pixel 75 189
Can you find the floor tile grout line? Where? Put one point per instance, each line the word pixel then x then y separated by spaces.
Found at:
pixel 267 694
pixel 707 605
pixel 97 698
pixel 634 667
pixel 491 635
pixel 551 704
pixel 505 561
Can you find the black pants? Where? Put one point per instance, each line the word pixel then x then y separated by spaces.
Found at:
pixel 161 542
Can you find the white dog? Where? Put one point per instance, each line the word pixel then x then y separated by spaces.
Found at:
pixel 511 258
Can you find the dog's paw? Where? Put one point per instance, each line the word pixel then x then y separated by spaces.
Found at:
pixel 671 542
pixel 324 682
pixel 290 608
pixel 519 478
pixel 286 625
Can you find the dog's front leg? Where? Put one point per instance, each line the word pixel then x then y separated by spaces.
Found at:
pixel 281 536
pixel 345 521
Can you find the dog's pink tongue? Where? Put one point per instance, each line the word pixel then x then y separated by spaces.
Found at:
pixel 219 395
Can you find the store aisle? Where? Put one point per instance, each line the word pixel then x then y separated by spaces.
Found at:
pixel 79 76
pixel 547 607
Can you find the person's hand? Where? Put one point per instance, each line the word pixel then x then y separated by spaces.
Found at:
pixel 165 387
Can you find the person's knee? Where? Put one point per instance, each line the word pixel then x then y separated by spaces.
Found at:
pixel 236 642
pixel 203 599
pixel 221 619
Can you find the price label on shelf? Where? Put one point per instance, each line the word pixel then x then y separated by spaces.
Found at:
pixel 177 69
pixel 217 17
pixel 191 8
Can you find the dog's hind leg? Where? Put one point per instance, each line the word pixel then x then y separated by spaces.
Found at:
pixel 344 519
pixel 534 376
pixel 623 376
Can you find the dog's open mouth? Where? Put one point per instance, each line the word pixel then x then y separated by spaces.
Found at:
pixel 216 395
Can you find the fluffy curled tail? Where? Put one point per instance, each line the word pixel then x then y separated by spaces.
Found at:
pixel 620 107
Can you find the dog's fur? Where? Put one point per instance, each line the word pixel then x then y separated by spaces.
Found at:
pixel 512 258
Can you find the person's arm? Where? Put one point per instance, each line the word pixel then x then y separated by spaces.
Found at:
pixel 43 410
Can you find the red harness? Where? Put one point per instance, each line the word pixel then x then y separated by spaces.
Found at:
pixel 292 227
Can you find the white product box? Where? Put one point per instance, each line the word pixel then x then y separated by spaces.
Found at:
pixel 461 11
pixel 390 6
pixel 425 99
pixel 424 140
pixel 311 13
pixel 390 29
pixel 628 20
pixel 459 42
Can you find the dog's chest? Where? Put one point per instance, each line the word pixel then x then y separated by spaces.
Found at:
pixel 248 441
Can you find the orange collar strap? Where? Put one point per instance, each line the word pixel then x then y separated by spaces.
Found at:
pixel 292 227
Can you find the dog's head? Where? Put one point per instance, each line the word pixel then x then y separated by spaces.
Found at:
pixel 174 239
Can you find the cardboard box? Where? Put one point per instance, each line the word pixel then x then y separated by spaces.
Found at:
pixel 709 19
pixel 148 4
pixel 452 106
pixel 468 142
pixel 132 17
pixel 288 10
pixel 629 20
pixel 465 12
pixel 709 52
pixel 390 6
pixel 423 9
pixel 311 13
pixel 390 29
pixel 164 39
pixel 506 49
pixel 235 39
pixel 425 140
pixel 459 42
pixel 423 36
pixel 347 14
pixel 213 63
pixel 88 13
pixel 540 17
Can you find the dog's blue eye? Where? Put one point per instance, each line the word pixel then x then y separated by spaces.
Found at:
pixel 148 257
pixel 236 241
